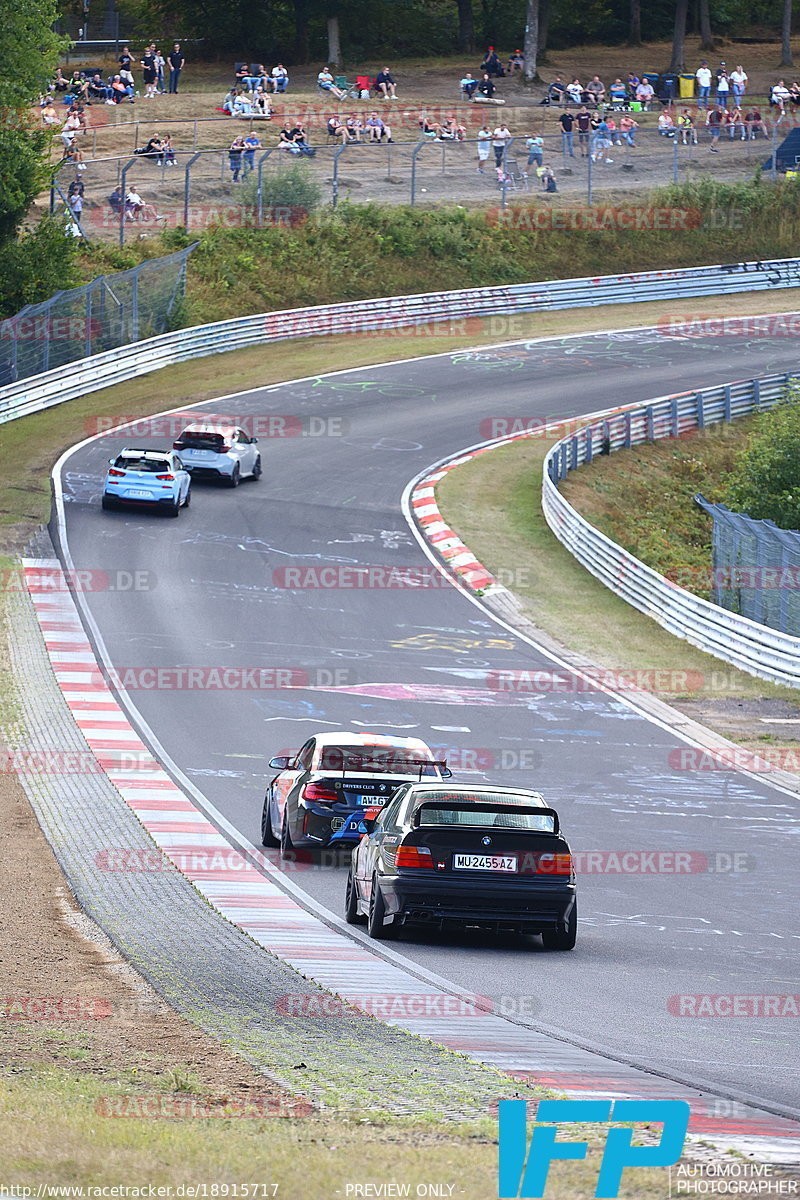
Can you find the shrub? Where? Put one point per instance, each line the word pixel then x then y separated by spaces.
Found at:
pixel 765 480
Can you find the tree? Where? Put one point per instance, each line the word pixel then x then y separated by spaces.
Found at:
pixel 635 27
pixel 466 26
pixel 786 35
pixel 531 44
pixel 765 480
pixel 706 36
pixel 678 62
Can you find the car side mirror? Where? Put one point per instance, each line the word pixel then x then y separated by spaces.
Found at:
pixel 253 441
pixel 447 773
pixel 366 825
pixel 280 763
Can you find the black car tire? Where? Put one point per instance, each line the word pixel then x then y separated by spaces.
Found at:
pixel 268 837
pixel 565 937
pixel 174 510
pixel 188 497
pixel 287 845
pixel 108 504
pixel 234 477
pixel 351 913
pixel 257 468
pixel 377 911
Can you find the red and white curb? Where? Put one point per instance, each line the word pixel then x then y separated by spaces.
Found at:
pixel 339 963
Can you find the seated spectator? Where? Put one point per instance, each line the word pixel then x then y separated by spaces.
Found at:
pixel 794 93
pixel 556 92
pixel 98 89
pixel 279 78
pixel 337 128
pixel 377 129
pixel 242 105
pixel 134 205
pixel 486 87
pixel 779 95
pixel 574 92
pixel 261 104
pixel 627 129
pixel 753 124
pixel 469 86
pixel 78 86
pixel 227 103
pixel 152 149
pixel 59 84
pixel 428 127
pixel 74 155
pixel 687 128
pixel 644 94
pixel 116 202
pixel 242 73
pixel 255 78
pixel 631 84
pixel 354 127
pixel 618 93
pixel 121 91
pixel 168 151
pixel 385 84
pixel 596 89
pixel 326 84
pixel 301 141
pixel 516 62
pixel 492 65
pixel 548 179
pixel 666 125
pixel 49 114
pixel 734 121
pixel 71 128
pixel 451 131
pixel 286 140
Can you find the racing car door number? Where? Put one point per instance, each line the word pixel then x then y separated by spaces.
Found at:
pixel 485 862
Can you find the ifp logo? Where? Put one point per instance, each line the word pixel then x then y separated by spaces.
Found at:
pixel 523 1169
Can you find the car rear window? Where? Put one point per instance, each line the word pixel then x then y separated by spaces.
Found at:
pixel 157 465
pixel 502 818
pixel 480 796
pixel 199 440
pixel 385 760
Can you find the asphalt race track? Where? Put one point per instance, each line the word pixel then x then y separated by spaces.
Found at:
pixel 217 599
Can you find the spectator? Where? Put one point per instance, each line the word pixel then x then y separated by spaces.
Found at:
pixel 71 128
pixel 59 84
pixel 78 86
pixel 49 114
pixel 97 89
pixel 723 86
pixel 469 86
pixel 336 128
pixel 176 65
pixel 735 121
pixel 486 87
pixel 714 121
pixel 574 91
pixel 631 84
pixel 500 138
pixel 377 128
pixel 125 60
pixel 168 151
pixel 148 65
pixel 644 94
pixel 548 179
pixel 326 84
pixel 753 123
pixel 241 75
pixel 618 93
pixel 601 141
pixel 703 77
pixel 74 155
pixel 235 155
pixel 134 204
pixel 567 123
pixel 251 144
pixel 666 125
pixel 261 104
pixel 583 119
pixel 612 129
pixel 161 63
pixel 556 92
pixel 492 65
pixel 779 95
pixel 385 84
pixel 596 89
pixel 300 140
pixel 75 204
pixel 484 142
pixel 451 131
pixel 354 126
pixel 738 82
pixel 428 128
pixel 687 128
pixel 535 150
pixel 516 62
pixel 242 105
pixel 227 103
pixel 627 129
pixel 121 90
pixel 286 140
pixel 794 93
pixel 279 78
pixel 116 202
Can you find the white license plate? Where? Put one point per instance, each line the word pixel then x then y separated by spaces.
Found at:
pixel 370 801
pixel 485 862
pixel 138 494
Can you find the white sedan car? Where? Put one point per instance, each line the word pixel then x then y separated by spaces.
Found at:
pixel 219 452
pixel 147 479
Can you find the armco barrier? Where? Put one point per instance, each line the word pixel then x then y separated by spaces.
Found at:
pixel 738 640
pixel 101 370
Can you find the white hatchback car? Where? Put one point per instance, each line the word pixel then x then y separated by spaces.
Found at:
pixel 219 452
pixel 147 478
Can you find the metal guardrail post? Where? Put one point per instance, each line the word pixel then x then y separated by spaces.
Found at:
pixel 414 154
pixel 335 178
pixel 675 159
pixel 773 169
pixel 123 189
pixel 260 185
pixel 589 165
pixel 187 187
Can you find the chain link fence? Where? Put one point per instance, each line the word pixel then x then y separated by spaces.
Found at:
pixel 756 568
pixel 111 311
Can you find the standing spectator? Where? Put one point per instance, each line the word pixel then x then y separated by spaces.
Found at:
pixel 71 128
pixel 385 84
pixel 486 87
pixel 251 144
pixel 500 139
pixel 627 128
pixel 176 65
pixel 161 62
pixel 644 94
pixel 484 142
pixel 601 141
pixel 235 155
pixel 723 86
pixel 125 60
pixel 714 122
pixel 596 89
pixel 738 82
pixel 687 128
pixel 469 86
pixel 75 202
pixel 535 150
pixel 148 65
pixel 703 77
pixel 567 122
pixel 583 119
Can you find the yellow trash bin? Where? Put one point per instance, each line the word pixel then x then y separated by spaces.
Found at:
pixel 687 87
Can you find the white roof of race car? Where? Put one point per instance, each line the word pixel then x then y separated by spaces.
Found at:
pixel 348 738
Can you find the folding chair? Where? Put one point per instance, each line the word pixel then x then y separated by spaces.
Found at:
pixel 350 89
pixel 516 178
pixel 363 85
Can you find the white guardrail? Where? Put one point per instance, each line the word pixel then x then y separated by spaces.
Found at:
pixel 755 648
pixel 127 362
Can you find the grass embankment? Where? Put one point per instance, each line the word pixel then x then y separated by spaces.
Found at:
pixel 365 251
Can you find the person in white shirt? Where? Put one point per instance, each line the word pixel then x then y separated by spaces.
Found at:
pixel 723 86
pixel 738 81
pixel 279 77
pixel 484 140
pixel 703 77
pixel 644 94
pixel 779 95
pixel 501 136
pixel 575 91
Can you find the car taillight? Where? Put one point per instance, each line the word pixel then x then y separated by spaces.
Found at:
pixel 413 856
pixel 114 471
pixel 177 445
pixel 165 477
pixel 223 449
pixel 554 864
pixel 313 791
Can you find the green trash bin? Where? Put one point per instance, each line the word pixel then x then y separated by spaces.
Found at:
pixel 636 106
pixel 687 87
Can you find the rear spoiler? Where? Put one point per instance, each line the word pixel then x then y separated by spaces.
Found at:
pixel 461 806
pixel 355 762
